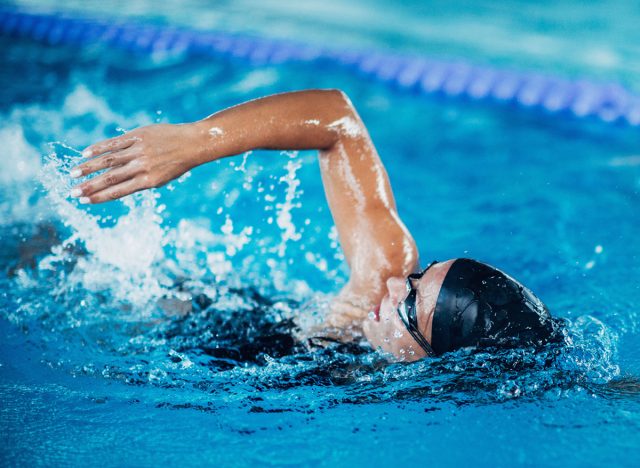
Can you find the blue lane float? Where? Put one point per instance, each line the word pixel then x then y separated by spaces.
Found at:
pixel 609 103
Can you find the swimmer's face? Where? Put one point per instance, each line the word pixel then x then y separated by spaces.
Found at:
pixel 387 331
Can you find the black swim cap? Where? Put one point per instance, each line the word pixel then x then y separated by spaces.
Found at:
pixel 479 305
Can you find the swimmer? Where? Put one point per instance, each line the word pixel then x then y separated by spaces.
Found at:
pixel 402 310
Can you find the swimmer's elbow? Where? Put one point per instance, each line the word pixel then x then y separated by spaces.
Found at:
pixel 342 119
pixel 341 99
pixel 336 102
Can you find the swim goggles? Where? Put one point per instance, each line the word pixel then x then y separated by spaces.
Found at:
pixel 407 312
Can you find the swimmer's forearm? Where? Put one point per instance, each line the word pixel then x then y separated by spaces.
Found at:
pixel 151 156
pixel 302 120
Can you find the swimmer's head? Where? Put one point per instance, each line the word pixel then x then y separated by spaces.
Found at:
pixel 457 304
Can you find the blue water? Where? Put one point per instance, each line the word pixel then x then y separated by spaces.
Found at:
pixel 97 366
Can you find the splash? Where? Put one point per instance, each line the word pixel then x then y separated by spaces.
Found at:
pixel 123 250
pixel 284 217
pixel 134 259
pixel 19 166
pixel 125 254
pixel 594 349
pixel 83 117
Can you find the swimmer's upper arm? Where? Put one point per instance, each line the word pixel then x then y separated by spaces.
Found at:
pixel 376 243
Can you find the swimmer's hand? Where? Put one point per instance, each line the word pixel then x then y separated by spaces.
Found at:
pixel 144 158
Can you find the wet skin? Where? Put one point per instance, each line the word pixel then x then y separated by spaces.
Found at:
pixel 378 248
pixel 387 332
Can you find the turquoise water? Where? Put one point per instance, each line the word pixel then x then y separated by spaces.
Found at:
pixel 97 368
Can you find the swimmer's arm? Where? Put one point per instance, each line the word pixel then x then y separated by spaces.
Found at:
pixel 376 243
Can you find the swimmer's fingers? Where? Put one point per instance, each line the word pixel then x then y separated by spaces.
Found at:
pixel 112 144
pixel 104 162
pixel 110 178
pixel 114 192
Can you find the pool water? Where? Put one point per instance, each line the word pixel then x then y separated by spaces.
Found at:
pixel 125 326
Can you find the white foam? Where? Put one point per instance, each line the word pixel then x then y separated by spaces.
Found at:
pixel 20 161
pixel 19 167
pixel 120 258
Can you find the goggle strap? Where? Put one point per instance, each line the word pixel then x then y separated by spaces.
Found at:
pixel 411 323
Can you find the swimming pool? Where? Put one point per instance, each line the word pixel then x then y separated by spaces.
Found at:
pixel 92 371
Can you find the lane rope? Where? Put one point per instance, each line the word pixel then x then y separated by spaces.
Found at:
pixel 582 98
